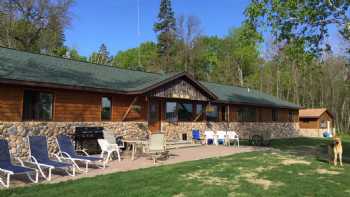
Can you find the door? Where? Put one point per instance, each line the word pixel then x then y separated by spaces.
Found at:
pixel 154 122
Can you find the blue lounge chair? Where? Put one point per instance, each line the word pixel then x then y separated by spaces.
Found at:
pixel 196 135
pixel 9 169
pixel 67 151
pixel 39 156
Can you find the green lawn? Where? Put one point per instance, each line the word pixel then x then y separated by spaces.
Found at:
pixel 299 169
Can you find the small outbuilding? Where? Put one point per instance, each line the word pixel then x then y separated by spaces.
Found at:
pixel 314 122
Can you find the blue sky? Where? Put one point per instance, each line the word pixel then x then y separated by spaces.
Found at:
pixel 114 22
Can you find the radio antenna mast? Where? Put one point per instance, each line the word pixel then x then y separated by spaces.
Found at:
pixel 139 33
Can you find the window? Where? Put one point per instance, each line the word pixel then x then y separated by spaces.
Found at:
pixel 246 114
pixel 224 113
pixel 212 113
pixel 37 105
pixel 184 111
pixel 274 115
pixel 106 112
pixel 178 111
pixel 323 124
pixel 199 112
pixel 170 112
pixel 291 116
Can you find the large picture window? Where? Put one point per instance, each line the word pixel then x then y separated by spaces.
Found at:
pixel 178 111
pixel 247 114
pixel 185 112
pixel 212 113
pixel 106 111
pixel 37 105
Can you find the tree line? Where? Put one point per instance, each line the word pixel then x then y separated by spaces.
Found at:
pixel 295 62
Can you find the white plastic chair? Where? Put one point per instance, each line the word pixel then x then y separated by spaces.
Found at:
pixel 210 135
pixel 109 136
pixel 221 135
pixel 233 136
pixel 108 148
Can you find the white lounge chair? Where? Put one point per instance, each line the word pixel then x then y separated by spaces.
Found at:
pixel 233 136
pixel 157 146
pixel 108 148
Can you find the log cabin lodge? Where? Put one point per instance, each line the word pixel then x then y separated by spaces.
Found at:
pixel 46 95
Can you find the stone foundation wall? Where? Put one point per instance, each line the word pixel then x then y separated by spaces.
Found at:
pixel 17 132
pixel 174 131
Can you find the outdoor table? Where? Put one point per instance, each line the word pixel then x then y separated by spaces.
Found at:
pixel 134 144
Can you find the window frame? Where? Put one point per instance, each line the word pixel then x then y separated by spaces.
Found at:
pixel 243 114
pixel 176 117
pixel 53 100
pixel 275 115
pixel 178 109
pixel 111 108
pixel 217 113
pixel 197 113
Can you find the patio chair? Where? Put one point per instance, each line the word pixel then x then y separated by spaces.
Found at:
pixel 9 169
pixel 209 137
pixel 233 136
pixel 67 152
pixel 221 136
pixel 196 136
pixel 108 148
pixel 109 136
pixel 39 156
pixel 157 147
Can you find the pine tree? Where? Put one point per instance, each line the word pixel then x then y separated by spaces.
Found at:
pixel 165 27
pixel 101 57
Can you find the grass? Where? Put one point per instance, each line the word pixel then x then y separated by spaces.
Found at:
pixel 298 169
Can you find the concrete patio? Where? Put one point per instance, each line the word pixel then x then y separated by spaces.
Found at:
pixel 126 164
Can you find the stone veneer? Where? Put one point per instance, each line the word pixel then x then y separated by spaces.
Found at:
pixel 16 132
pixel 174 131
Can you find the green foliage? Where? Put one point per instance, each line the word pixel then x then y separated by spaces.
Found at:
pixel 130 58
pixel 165 29
pixel 101 57
pixel 305 21
pixel 35 25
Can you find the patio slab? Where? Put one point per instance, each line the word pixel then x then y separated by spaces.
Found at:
pixel 177 156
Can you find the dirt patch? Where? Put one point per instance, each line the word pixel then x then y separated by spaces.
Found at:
pixel 179 195
pixel 264 183
pixel 289 161
pixel 325 171
pixel 301 174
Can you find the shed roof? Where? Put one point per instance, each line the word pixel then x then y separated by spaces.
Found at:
pixel 313 112
pixel 37 69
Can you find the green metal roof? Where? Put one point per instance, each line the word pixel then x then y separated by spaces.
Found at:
pixel 240 95
pixel 24 66
pixel 30 67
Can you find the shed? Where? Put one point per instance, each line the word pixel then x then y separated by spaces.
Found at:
pixel 315 121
